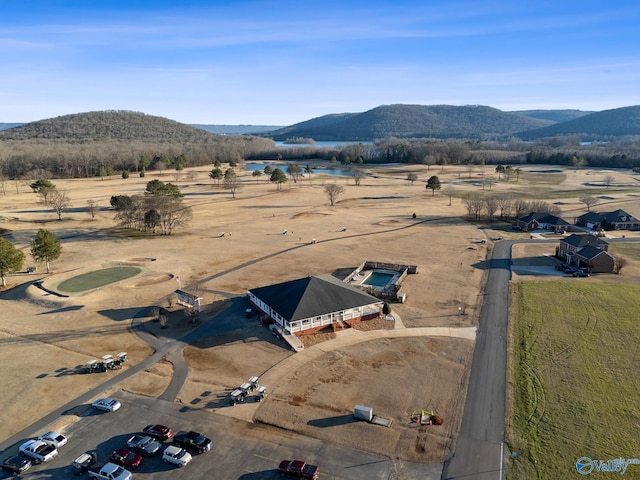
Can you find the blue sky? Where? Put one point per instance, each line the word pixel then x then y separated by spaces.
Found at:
pixel 281 62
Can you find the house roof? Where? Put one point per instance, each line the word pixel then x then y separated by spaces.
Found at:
pixel 582 240
pixel 589 252
pixel 546 218
pixel 312 297
pixel 617 216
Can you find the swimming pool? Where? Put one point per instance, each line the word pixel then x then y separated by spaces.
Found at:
pixel 378 278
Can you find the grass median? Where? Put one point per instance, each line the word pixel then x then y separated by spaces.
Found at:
pixel 574 376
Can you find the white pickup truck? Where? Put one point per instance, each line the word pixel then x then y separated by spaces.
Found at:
pixel 110 471
pixel 38 450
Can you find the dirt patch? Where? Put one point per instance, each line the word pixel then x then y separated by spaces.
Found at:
pixel 152 381
pixel 153 280
pixel 396 377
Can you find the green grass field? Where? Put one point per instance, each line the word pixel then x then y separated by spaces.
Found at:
pixel 574 377
pixel 629 250
pixel 97 278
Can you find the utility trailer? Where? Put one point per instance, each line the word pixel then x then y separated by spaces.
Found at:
pixel 360 412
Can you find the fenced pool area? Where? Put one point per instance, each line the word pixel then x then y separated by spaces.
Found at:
pixel 379 278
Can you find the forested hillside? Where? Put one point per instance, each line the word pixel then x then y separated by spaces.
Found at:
pixel 87 143
pixel 413 121
pixel 600 125
pixel 556 116
pixel 106 125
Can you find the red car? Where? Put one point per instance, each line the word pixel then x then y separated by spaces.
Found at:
pixel 298 469
pixel 159 432
pixel 126 458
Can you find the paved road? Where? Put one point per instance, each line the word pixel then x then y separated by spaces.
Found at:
pixel 477 454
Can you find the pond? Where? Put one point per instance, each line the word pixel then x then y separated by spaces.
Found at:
pixel 339 172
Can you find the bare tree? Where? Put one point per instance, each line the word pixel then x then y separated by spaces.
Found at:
pixel 505 204
pixel 608 180
pixel 488 180
pixel 59 201
pixel 589 201
pixel 3 184
pixel 620 262
pixel 232 183
pixel 540 206
pixel 333 191
pixel 473 201
pixel 521 207
pixel 490 206
pixel 449 192
pixel 412 177
pixel 92 208
pixel 429 160
pixel 171 212
pixel 357 174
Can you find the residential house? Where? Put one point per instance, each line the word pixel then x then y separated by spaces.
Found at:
pixel 587 251
pixel 543 221
pixel 616 220
pixel 309 304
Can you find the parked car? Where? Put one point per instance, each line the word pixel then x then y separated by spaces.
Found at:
pixel 176 455
pixel 561 266
pixel 143 445
pixel 38 451
pixel 126 458
pixel 192 441
pixel 298 469
pixel 16 464
pixel 110 471
pixel 54 439
pixel 159 432
pixel 106 404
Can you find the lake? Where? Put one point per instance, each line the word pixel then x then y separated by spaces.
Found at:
pixel 320 144
pixel 338 172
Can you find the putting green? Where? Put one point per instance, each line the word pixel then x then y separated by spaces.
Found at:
pixel 97 278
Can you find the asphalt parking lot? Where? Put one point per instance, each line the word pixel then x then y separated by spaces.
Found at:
pixel 240 450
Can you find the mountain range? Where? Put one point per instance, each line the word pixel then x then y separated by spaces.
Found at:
pixel 475 122
pixel 463 122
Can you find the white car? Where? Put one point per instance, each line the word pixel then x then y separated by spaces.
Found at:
pixel 176 455
pixel 38 450
pixel 106 404
pixel 54 439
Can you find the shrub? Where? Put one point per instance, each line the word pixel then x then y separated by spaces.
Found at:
pixel 125 174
